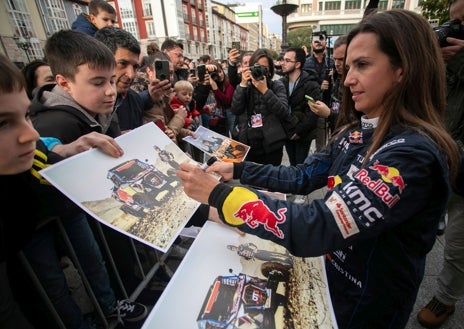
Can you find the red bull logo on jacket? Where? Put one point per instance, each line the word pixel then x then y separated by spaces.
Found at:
pixel 254 213
pixel 389 176
pixel 356 137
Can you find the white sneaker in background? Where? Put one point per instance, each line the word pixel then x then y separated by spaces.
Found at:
pixel 300 199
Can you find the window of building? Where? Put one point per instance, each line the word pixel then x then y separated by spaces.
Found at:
pixel 329 5
pixel 187 31
pixel 306 8
pixel 151 30
pixel 185 12
pixel 77 10
pixel 19 16
pixel 131 26
pixel 20 19
pixel 398 4
pixel 55 9
pixel 194 17
pixel 383 5
pixel 57 25
pixel 147 8
pixel 353 4
pixel 127 13
pixel 337 29
pixel 56 15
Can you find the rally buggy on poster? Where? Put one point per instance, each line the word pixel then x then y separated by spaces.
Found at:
pixel 140 186
pixel 242 302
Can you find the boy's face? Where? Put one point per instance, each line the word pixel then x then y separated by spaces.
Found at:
pixel 185 96
pixel 93 89
pixel 103 19
pixel 17 135
pixel 127 65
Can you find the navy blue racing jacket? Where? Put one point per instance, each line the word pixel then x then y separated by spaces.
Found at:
pixel 375 224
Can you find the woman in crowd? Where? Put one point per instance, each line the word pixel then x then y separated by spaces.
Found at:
pixel 261 107
pixel 223 92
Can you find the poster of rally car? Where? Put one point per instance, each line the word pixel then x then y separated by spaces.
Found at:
pixel 243 282
pixel 217 145
pixel 137 194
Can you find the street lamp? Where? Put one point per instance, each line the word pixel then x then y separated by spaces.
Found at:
pixel 24 44
pixel 282 8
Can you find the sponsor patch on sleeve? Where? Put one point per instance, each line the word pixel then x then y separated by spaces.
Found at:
pixel 342 215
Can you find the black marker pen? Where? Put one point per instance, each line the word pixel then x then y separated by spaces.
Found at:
pixel 208 163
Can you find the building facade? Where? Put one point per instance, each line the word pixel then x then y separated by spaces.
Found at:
pixel 339 16
pixel 203 26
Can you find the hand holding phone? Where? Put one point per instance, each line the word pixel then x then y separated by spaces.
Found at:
pixel 236 45
pixel 162 69
pixel 309 98
pixel 201 72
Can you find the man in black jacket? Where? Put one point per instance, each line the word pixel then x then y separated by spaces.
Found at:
pixel 299 83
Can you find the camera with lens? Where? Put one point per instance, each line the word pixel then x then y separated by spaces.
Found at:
pixel 453 29
pixel 214 75
pixel 258 71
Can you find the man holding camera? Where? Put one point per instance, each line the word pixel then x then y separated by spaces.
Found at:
pixel 451 279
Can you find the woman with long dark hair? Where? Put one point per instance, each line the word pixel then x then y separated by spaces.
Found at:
pixel 388 169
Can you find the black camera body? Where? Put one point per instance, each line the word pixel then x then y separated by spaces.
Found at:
pixel 453 29
pixel 214 75
pixel 258 71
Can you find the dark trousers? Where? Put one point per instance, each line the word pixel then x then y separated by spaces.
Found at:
pixel 43 256
pixel 297 151
pixel 274 158
pixel 11 316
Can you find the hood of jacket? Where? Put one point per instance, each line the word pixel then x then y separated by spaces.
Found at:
pixel 53 97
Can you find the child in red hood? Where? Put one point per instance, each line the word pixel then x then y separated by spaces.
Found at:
pixel 184 97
